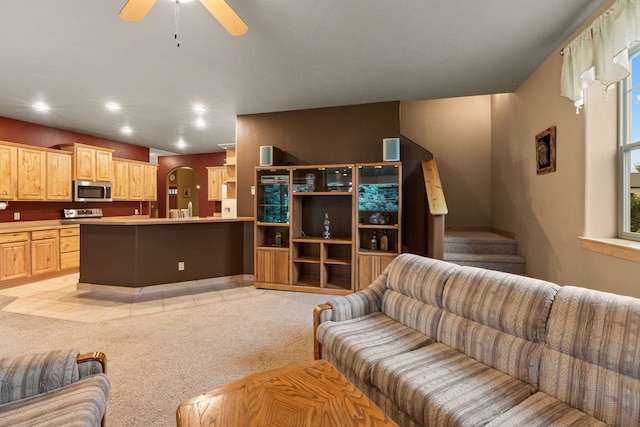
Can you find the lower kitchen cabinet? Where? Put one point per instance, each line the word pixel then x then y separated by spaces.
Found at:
pixel 69 248
pixel 14 255
pixel 45 247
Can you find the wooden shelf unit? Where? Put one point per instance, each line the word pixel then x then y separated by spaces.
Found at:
pixel 379 212
pixel 290 207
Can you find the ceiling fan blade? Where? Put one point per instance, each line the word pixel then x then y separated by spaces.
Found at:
pixel 135 10
pixel 226 16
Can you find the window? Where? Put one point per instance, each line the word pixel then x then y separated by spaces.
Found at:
pixel 629 151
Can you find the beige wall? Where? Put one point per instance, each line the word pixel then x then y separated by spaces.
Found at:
pixel 550 212
pixel 458 133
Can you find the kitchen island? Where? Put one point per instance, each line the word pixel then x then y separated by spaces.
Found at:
pixel 135 253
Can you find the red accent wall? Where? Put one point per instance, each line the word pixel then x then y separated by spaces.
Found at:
pixel 197 162
pixel 44 136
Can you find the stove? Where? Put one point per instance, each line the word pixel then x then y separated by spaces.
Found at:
pixel 81 213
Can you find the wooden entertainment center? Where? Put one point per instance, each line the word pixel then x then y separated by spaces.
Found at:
pixel 296 249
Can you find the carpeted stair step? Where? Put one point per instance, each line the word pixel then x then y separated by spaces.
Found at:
pixel 483 249
pixel 507 263
pixel 471 242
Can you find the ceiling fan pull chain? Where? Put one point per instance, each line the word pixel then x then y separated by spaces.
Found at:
pixel 176 15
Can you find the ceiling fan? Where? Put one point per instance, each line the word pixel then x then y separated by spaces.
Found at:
pixel 135 10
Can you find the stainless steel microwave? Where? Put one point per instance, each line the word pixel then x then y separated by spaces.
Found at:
pixel 90 191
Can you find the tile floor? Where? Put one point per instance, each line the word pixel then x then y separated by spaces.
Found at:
pixel 59 298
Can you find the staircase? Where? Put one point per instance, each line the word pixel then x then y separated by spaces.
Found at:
pixel 483 249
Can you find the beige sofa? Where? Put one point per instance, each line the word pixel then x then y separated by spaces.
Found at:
pixel 55 388
pixel 436 344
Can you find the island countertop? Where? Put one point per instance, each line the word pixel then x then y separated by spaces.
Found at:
pixel 152 221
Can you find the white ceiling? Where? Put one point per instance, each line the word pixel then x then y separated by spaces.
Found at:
pixel 76 55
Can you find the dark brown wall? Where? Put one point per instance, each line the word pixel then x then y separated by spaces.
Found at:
pixel 197 162
pixel 351 134
pixel 43 136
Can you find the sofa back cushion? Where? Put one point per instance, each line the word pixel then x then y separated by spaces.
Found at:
pixel 497 318
pixel 31 374
pixel 592 357
pixel 413 295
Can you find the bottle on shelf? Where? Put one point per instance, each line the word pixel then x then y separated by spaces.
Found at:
pixel 373 245
pixel 384 241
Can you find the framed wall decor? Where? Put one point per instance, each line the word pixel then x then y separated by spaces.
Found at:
pixel 546 151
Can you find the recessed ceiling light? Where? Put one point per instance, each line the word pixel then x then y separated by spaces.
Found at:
pixel 40 106
pixel 112 106
pixel 199 108
pixel 181 143
pixel 127 130
pixel 200 122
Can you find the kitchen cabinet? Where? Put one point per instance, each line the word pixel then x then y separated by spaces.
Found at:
pixel 58 182
pixel 134 180
pixel 14 255
pixel 215 177
pixel 90 163
pixel 45 248
pixel 150 182
pixel 32 174
pixel 8 171
pixel 69 247
pixel 120 189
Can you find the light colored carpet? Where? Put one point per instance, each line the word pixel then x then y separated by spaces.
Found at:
pixel 156 361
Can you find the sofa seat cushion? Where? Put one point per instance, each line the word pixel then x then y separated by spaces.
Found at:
pixel 440 386
pixel 367 339
pixel 541 410
pixel 82 403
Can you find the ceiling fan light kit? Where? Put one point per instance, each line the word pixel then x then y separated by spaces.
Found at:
pixel 136 10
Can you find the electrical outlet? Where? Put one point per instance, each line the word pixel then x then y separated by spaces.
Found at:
pixel 137 212
pixel 253 190
pixel 16 216
pixel 181 266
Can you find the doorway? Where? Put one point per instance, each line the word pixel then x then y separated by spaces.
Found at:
pixel 183 186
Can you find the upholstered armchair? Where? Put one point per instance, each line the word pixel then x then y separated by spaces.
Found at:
pixel 56 388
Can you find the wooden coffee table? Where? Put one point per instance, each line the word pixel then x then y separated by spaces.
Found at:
pixel 308 394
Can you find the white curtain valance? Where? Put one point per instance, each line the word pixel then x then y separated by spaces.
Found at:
pixel 600 52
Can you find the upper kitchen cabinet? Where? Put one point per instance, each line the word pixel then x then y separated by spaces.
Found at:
pixel 32 174
pixel 59 168
pixel 120 189
pixel 8 171
pixel 215 176
pixel 134 180
pixel 90 163
pixel 150 182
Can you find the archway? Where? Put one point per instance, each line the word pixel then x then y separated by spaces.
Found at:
pixel 183 187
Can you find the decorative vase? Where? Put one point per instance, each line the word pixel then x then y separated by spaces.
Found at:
pixel 327 227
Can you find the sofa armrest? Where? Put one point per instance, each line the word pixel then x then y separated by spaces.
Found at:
pixel 368 300
pixel 92 363
pixel 321 313
pixel 32 374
